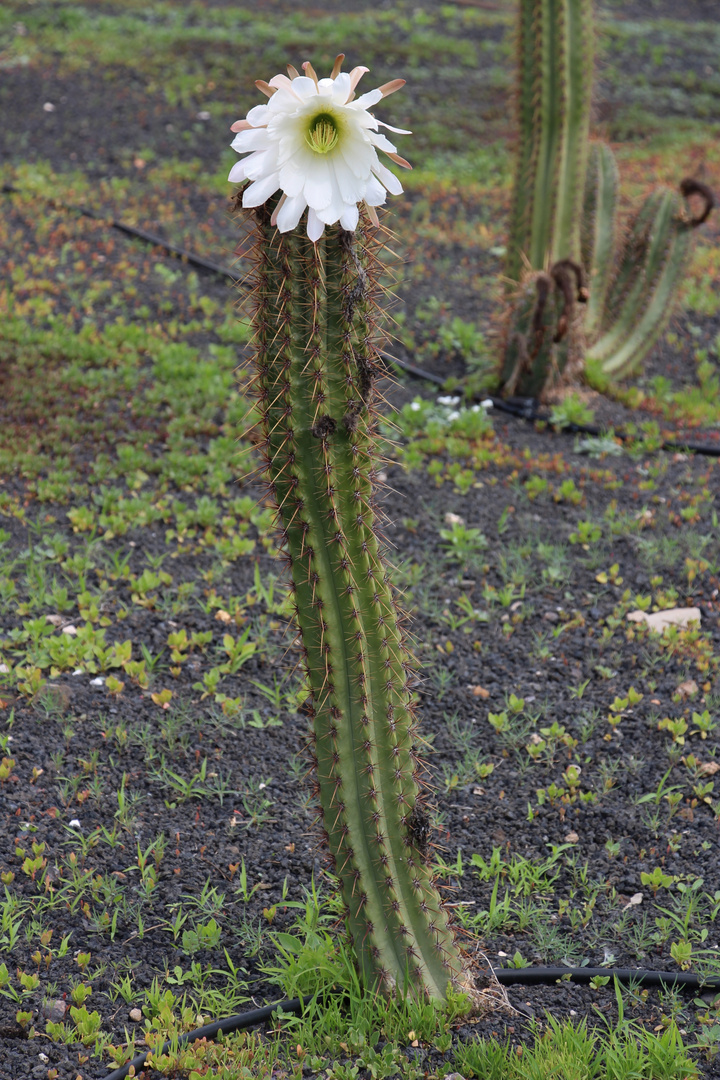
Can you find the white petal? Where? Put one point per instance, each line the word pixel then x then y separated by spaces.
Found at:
pixel 263 163
pixel 257 193
pixel 351 187
pixel 358 156
pixel 304 87
pixel 237 173
pixel 389 179
pixel 349 218
pixel 365 101
pixel 334 210
pixel 375 193
pixel 379 140
pixel 258 115
pixel 292 177
pixel 282 82
pixel 342 88
pixel 318 186
pixel 315 227
pixel 251 139
pixel 290 213
pixel 398 131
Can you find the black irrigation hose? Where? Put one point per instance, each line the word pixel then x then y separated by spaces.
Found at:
pixel 239 1022
pixel 532 976
pixel 139 234
pixel 535 976
pixel 525 408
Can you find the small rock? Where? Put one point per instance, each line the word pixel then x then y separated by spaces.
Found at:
pixel 56 620
pixel 74 824
pixel 572 838
pixel 687 689
pixel 658 620
pixel 48 107
pixel 70 630
pixel 97 682
pixel 551 616
pixel 136 1015
pixel 223 616
pixel 708 768
pixel 454 519
pixel 54 1009
pixel 479 691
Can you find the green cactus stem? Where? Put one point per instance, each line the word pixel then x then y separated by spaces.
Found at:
pixel 555 58
pixel 315 370
pixel 639 298
pixel 598 230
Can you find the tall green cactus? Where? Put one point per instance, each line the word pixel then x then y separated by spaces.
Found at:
pixel 564 214
pixel 554 85
pixel 315 370
pixel 555 55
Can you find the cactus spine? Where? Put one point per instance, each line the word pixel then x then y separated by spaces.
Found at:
pixel 564 213
pixel 314 361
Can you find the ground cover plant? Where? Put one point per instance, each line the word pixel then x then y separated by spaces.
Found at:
pixel 159 859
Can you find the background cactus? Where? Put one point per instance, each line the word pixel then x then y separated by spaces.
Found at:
pixel 315 368
pixel 564 213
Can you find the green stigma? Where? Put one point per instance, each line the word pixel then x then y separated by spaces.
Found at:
pixel 323 134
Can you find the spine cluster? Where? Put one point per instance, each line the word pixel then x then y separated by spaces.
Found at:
pixel 314 385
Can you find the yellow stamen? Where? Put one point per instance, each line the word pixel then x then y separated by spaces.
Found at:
pixel 323 134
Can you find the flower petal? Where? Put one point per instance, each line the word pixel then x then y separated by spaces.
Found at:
pixel 290 213
pixel 366 100
pixel 387 178
pixel 237 173
pixel 250 139
pixel 256 194
pixel 315 227
pixel 349 218
pixel 375 193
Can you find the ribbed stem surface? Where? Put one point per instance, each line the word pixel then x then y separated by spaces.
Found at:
pixel 315 371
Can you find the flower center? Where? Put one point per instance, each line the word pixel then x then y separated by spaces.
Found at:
pixel 323 134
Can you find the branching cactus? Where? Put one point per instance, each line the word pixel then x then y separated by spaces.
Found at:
pixel 315 309
pixel 564 216
pixel 633 290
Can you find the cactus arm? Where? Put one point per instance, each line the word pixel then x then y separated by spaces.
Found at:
pixel 640 298
pixel 314 365
pixel 598 230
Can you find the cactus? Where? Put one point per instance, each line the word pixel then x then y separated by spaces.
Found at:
pixel 564 214
pixel 315 368
pixel 635 302
pixel 555 44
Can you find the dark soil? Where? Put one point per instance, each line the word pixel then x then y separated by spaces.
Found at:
pixel 565 627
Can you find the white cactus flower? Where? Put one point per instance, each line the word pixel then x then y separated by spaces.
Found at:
pixel 317 143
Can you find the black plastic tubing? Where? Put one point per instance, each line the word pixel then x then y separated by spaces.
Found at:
pixel 532 976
